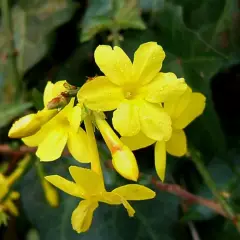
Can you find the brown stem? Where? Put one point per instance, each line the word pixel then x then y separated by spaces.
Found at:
pixel 182 193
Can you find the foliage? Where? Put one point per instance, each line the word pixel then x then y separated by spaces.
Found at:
pixel 56 39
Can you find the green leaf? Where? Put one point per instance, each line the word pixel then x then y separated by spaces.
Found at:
pixel 107 14
pixel 10 111
pixel 32 23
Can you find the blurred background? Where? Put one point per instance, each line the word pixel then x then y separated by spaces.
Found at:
pixel 51 40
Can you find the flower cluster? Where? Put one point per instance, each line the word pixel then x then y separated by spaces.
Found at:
pixel 150 107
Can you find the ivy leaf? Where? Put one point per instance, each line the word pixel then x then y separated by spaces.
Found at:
pixel 104 15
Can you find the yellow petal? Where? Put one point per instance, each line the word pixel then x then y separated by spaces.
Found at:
pixel 66 185
pixel 155 122
pixel 125 163
pixel 164 87
pixel 129 208
pixel 75 117
pixel 176 106
pixel 53 90
pixel 90 181
pixel 110 198
pixel 160 159
pixel 53 144
pixel 36 139
pixel 125 119
pixel 77 145
pixel 147 62
pixel 177 145
pixel 134 192
pixel 100 94
pixel 82 216
pixel 138 141
pixel 115 64
pixel 192 111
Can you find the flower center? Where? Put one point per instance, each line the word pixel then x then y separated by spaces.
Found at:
pixel 128 94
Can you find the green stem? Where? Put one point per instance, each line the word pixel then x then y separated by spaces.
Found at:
pixel 115 36
pixel 95 161
pixel 196 158
pixel 13 74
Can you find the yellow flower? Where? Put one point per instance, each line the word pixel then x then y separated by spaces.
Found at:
pixel 182 111
pixel 31 123
pixel 134 90
pixel 8 204
pixel 62 129
pixel 89 186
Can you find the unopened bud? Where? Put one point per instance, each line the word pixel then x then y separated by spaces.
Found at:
pixel 125 163
pixel 124 160
pixel 24 127
pixel 30 124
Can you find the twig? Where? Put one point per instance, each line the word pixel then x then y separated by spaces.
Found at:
pixel 6 149
pixel 182 193
pixel 13 73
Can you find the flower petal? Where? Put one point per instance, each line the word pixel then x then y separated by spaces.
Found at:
pixel 125 119
pixel 160 159
pixel 53 144
pixel 65 185
pixel 177 145
pixel 90 181
pixel 155 122
pixel 129 208
pixel 75 117
pixel 137 142
pixel 82 216
pixel 193 110
pixel 35 140
pixel 115 64
pixel 100 94
pixel 164 87
pixel 77 145
pixel 175 107
pixel 110 198
pixel 134 192
pixel 147 62
pixel 53 90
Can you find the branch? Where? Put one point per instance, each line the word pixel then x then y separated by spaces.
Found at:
pixel 6 149
pixel 182 193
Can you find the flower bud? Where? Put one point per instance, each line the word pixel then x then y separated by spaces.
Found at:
pixel 30 124
pixel 125 163
pixel 24 127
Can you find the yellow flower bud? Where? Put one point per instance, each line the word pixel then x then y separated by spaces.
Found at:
pixel 30 124
pixel 123 159
pixel 125 163
pixel 51 194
